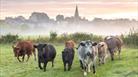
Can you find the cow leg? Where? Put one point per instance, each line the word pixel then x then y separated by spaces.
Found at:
pixel 100 61
pixel 111 54
pixel 69 65
pixel 52 63
pixel 18 59
pixel 89 67
pixel 85 69
pixel 103 59
pixel 119 51
pixel 94 71
pixel 39 64
pixel 28 57
pixel 81 65
pixel 45 64
pixel 64 66
pixel 23 58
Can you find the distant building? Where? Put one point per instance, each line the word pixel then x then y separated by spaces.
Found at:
pixel 76 15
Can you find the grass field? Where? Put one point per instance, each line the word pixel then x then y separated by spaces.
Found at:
pixel 10 67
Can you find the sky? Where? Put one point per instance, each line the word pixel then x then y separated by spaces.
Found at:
pixel 106 9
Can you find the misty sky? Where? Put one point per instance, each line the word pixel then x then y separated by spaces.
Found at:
pixel 108 9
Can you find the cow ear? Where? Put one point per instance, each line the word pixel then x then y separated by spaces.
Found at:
pixel 35 46
pixel 93 44
pixel 82 44
pixel 45 45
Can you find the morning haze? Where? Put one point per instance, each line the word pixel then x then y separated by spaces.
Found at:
pixel 102 17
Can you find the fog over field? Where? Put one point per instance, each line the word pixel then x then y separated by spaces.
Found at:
pixel 39 17
pixel 39 23
pixel 102 28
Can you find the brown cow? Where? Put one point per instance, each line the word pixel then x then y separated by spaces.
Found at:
pixel 69 44
pixel 102 52
pixel 23 48
pixel 113 43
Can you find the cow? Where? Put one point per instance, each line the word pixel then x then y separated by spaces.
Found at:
pixel 69 44
pixel 67 57
pixel 87 53
pixel 23 48
pixel 102 52
pixel 46 53
pixel 113 44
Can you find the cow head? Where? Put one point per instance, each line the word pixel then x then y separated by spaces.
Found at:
pixel 40 48
pixel 16 50
pixel 93 48
pixel 68 54
pixel 100 45
pixel 88 46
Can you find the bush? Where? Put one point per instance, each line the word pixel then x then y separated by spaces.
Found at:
pixel 53 36
pixel 84 36
pixel 77 37
pixel 9 38
pixel 131 39
pixel 42 39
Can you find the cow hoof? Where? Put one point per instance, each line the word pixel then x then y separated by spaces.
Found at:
pixel 40 68
pixel 112 59
pixel 85 73
pixel 94 72
pixel 102 63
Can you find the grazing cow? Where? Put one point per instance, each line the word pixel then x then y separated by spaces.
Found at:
pixel 46 53
pixel 87 52
pixel 69 44
pixel 67 57
pixel 113 43
pixel 23 48
pixel 102 52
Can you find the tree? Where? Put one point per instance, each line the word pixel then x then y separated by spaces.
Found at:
pixel 59 18
pixel 53 35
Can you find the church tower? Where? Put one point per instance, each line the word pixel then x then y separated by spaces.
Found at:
pixel 76 15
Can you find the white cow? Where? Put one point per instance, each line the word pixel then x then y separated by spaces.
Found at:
pixel 87 53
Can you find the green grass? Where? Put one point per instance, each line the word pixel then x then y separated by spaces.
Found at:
pixel 10 67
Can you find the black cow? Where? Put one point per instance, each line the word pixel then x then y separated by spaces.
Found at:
pixel 67 57
pixel 46 53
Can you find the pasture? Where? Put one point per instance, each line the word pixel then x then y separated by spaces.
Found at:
pixel 10 67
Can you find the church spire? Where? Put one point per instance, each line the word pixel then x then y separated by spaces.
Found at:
pixel 76 15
